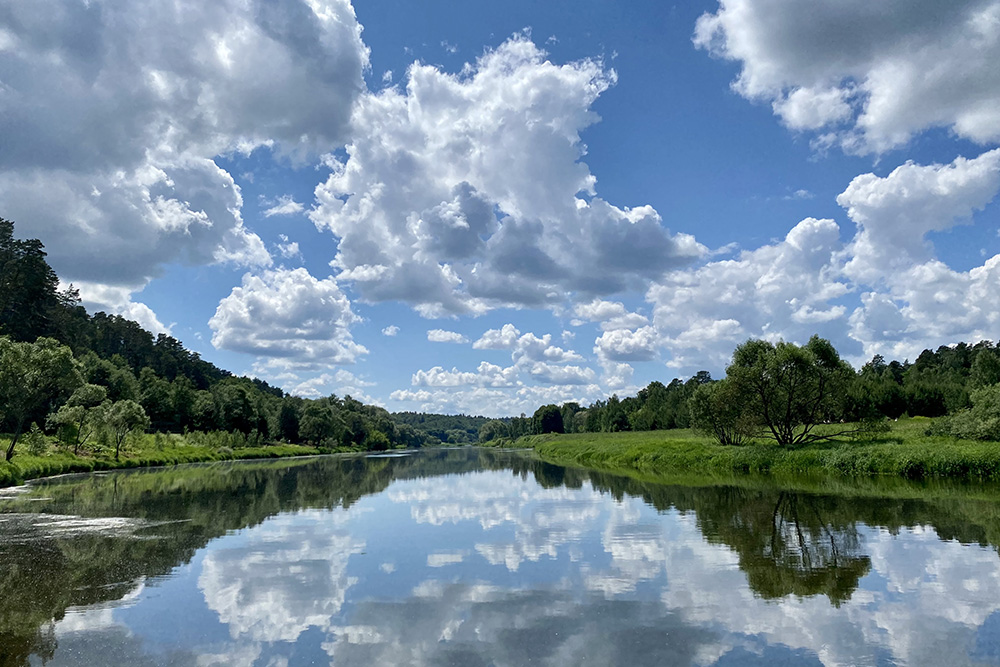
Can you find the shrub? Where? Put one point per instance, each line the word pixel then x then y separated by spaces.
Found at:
pixel 980 422
pixel 35 441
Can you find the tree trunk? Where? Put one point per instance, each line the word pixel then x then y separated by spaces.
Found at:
pixel 13 441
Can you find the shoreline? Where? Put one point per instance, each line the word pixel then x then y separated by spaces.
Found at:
pixel 25 468
pixel 906 453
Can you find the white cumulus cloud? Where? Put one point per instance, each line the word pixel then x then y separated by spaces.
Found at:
pixel 871 74
pixel 114 112
pixel 490 204
pixel 289 317
pixel 443 336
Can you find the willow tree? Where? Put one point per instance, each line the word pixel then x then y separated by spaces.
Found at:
pixel 789 390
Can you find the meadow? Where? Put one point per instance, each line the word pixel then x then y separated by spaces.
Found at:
pixel 146 450
pixel 907 451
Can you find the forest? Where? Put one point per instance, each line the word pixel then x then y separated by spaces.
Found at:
pixel 782 392
pixel 92 382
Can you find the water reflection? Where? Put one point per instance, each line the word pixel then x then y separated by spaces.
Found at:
pixel 474 557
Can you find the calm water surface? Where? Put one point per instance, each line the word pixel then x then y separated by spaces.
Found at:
pixel 470 557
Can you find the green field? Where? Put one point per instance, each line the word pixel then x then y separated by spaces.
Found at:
pixel 145 450
pixel 905 452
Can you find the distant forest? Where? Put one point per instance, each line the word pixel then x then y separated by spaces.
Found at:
pixel 114 360
pixel 960 381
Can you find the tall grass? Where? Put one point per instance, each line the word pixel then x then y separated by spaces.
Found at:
pixel 907 451
pixel 142 451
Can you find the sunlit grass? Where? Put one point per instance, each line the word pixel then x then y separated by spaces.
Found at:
pixel 142 451
pixel 906 451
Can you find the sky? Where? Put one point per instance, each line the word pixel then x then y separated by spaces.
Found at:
pixel 486 207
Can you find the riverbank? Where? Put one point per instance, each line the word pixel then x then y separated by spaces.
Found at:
pixel 147 451
pixel 905 452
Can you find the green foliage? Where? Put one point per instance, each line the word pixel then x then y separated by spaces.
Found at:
pixel 289 419
pixel 547 419
pixel 121 419
pixel 442 427
pixel 35 441
pixel 30 303
pixel 33 378
pixel 906 453
pixel 720 410
pixel 376 441
pixel 493 429
pixel 176 390
pixel 320 423
pixel 981 421
pixel 789 389
pixel 876 392
pixel 80 417
pixel 985 368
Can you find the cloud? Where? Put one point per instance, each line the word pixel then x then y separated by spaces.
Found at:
pixel 916 300
pixel 894 214
pixel 390 330
pixel 870 76
pixel 490 204
pixel 540 371
pixel 285 205
pixel 341 382
pixel 626 345
pixel 442 336
pixel 289 318
pixel 530 348
pixel 113 113
pixel 97 297
pixel 618 376
pixel 611 314
pixel 780 290
pixel 799 194
pixel 907 298
pixel 276 592
pixel 562 375
pixel 486 375
pixel 503 338
pixel 496 401
pixel 288 249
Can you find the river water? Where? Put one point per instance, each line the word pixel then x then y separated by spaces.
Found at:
pixel 478 557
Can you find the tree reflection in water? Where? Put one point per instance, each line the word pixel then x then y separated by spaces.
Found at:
pixel 98 537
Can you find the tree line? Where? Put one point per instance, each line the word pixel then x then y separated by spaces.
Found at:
pixel 93 380
pixel 794 395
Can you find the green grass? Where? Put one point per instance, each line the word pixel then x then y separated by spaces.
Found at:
pixel 144 451
pixel 905 452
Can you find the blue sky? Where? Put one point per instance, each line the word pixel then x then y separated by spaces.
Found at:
pixel 484 207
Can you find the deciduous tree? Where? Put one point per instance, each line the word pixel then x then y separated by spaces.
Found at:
pixel 81 413
pixel 548 419
pixel 122 419
pixel 791 389
pixel 32 377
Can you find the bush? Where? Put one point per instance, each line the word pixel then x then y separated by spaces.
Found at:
pixel 871 428
pixel 980 422
pixel 719 410
pixel 35 441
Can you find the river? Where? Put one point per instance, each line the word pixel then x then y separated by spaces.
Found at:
pixel 480 557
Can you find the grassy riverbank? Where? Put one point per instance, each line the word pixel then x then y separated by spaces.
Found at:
pixel 147 450
pixel 905 452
